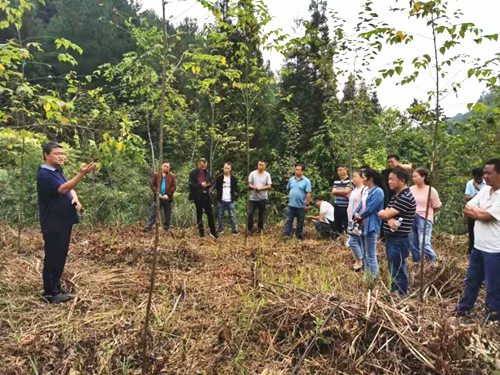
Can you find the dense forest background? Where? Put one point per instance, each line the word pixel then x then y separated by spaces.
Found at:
pixel 88 73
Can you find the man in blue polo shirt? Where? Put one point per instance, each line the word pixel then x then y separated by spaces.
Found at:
pixel 299 188
pixel 58 206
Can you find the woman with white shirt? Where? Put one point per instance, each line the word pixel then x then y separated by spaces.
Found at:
pixel 355 199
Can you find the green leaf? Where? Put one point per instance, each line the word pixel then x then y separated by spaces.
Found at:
pixel 378 81
pixel 427 57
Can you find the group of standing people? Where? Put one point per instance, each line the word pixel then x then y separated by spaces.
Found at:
pixel 370 215
pixel 200 184
pixel 370 205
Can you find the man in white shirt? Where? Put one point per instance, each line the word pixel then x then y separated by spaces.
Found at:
pixel 484 262
pixel 325 222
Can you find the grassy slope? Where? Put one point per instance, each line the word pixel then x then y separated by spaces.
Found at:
pixel 223 307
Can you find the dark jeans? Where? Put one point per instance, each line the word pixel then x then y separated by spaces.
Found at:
pixel 326 230
pixel 252 206
pixel 398 249
pixel 167 213
pixel 485 267
pixel 341 220
pixel 56 252
pixel 291 214
pixel 204 205
pixel 470 228
pixel 222 207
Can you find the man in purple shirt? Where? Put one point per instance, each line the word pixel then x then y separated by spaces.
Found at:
pixel 58 213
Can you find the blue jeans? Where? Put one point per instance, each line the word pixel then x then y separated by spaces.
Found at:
pixel 291 214
pixel 222 207
pixel 398 249
pixel 485 267
pixel 416 236
pixel 355 245
pixel 369 246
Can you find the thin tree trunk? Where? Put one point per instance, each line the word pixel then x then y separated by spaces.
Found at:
pixel 23 171
pixel 150 140
pixel 145 332
pixel 22 193
pixel 248 163
pixel 433 158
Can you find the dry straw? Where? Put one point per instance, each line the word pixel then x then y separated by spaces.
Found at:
pixel 220 307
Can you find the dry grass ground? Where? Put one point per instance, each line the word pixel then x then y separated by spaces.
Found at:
pixel 272 307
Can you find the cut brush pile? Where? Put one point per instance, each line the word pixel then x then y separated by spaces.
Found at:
pixel 273 306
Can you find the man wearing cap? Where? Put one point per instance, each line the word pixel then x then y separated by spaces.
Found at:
pixel 58 212
pixel 200 182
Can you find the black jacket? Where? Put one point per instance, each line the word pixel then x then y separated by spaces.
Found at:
pixel 196 191
pixel 234 187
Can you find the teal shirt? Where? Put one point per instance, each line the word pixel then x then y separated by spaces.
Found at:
pixel 298 190
pixel 162 191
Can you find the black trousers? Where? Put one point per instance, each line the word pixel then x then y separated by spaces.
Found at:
pixel 252 206
pixel 326 230
pixel 56 252
pixel 341 220
pixel 166 206
pixel 204 205
pixel 470 228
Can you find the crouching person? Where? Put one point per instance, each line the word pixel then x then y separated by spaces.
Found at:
pixel 325 221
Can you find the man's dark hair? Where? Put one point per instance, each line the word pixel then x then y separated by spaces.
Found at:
pixel 262 161
pixel 342 166
pixel 364 166
pixel 423 173
pixel 228 163
pixel 395 156
pixel 372 174
pixel 49 146
pixel 401 174
pixel 477 172
pixel 495 162
pixel 165 162
pixel 302 168
pixel 202 160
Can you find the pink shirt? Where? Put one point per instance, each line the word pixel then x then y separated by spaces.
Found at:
pixel 420 196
